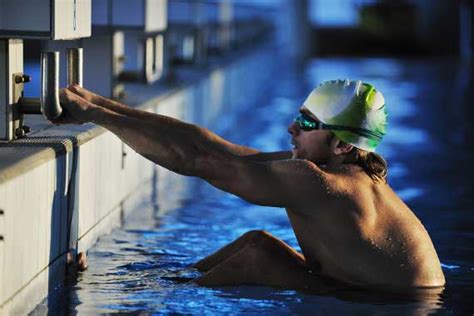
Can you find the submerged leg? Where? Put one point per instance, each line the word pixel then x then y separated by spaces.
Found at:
pixel 267 261
pixel 230 249
pixel 81 260
pixel 79 265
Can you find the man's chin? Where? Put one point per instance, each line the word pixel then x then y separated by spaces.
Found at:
pixel 294 153
pixel 297 154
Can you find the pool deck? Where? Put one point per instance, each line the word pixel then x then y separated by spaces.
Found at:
pixel 61 187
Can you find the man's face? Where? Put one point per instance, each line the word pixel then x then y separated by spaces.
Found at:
pixel 311 145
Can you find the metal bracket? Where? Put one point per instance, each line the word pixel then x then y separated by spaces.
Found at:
pixel 19 79
pixel 1 235
pixel 152 68
pixel 48 103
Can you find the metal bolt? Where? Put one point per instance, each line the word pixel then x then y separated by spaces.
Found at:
pixel 121 95
pixel 22 79
pixel 1 238
pixel 19 132
pixel 2 212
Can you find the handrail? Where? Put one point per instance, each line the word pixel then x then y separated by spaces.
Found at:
pixel 48 103
pixel 49 98
pixel 74 66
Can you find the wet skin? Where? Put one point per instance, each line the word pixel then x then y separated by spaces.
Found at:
pixel 349 227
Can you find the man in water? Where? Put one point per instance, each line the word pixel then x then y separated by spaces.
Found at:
pixel 351 227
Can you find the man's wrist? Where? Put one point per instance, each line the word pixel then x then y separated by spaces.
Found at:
pixel 98 99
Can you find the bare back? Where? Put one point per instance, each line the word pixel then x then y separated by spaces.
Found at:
pixel 364 234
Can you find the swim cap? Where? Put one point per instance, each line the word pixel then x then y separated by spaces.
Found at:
pixel 352 104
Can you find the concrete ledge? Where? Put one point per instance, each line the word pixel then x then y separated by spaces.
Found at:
pixel 62 187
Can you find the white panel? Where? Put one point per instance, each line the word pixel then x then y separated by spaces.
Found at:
pixel 136 170
pixel 99 179
pixel 32 18
pixel 72 19
pixel 217 82
pixel 225 11
pixel 15 64
pixel 105 226
pixel 118 52
pixel 3 200
pixel 32 225
pixel 156 15
pixel 11 61
pixel 3 89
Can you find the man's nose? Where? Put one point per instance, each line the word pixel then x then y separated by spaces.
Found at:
pixel 293 128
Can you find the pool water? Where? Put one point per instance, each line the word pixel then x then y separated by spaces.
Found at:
pixel 429 148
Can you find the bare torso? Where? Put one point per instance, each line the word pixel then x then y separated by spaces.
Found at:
pixel 365 235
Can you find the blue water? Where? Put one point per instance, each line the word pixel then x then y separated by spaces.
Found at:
pixel 429 149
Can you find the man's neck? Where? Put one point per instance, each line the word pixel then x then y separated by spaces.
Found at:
pixel 336 162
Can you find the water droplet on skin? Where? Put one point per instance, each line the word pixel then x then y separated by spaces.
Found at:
pixel 402 265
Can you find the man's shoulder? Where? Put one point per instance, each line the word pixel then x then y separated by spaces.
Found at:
pixel 351 185
pixel 300 167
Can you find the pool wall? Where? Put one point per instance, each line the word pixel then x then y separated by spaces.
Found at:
pixel 63 187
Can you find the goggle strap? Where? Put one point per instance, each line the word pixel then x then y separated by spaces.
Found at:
pixel 356 130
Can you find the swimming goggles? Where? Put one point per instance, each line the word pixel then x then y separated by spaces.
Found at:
pixel 306 123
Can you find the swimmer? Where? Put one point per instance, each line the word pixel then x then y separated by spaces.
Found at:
pixel 351 226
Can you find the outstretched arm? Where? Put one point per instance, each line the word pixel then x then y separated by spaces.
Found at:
pixel 190 150
pixel 120 108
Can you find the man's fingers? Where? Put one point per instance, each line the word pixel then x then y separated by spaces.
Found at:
pixel 63 98
pixel 78 90
pixel 74 88
pixel 82 92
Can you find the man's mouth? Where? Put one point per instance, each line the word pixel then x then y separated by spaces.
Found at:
pixel 293 143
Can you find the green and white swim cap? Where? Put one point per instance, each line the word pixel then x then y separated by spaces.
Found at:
pixel 352 104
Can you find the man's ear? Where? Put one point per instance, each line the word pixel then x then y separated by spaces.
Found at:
pixel 339 147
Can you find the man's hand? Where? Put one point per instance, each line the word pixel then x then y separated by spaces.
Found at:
pixel 85 94
pixel 76 110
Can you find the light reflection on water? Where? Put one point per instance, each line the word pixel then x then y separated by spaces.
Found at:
pixel 135 268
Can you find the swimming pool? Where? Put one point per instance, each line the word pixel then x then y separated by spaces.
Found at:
pixel 429 149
